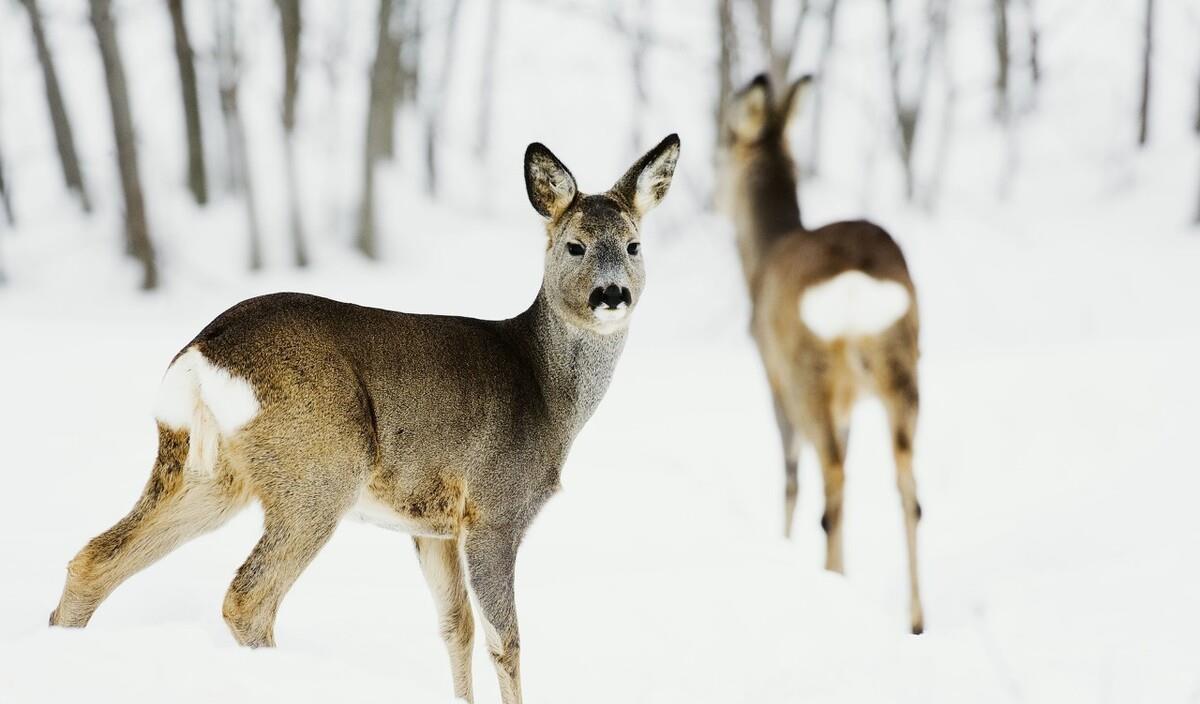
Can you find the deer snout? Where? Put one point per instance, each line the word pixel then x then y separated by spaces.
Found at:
pixel 610 297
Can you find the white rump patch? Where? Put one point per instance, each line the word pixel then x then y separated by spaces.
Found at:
pixel 853 304
pixel 193 387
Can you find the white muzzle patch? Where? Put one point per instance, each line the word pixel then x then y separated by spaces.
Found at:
pixel 611 315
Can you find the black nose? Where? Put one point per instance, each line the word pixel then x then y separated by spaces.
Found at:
pixel 612 296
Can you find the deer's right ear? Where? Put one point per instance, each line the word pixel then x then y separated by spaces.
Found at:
pixel 751 110
pixel 550 185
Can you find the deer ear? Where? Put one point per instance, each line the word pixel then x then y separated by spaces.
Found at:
pixel 550 185
pixel 646 182
pixel 790 104
pixel 750 110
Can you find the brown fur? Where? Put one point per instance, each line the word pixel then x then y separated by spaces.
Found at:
pixel 459 426
pixel 815 382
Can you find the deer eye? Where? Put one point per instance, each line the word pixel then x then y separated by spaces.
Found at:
pixel 634 247
pixel 575 249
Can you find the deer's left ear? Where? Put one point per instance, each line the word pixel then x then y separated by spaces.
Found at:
pixel 646 182
pixel 790 105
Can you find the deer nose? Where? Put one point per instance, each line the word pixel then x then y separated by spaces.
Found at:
pixel 612 296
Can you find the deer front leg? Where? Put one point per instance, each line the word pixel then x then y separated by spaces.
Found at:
pixel 491 558
pixel 442 565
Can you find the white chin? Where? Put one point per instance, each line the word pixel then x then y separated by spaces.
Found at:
pixel 611 315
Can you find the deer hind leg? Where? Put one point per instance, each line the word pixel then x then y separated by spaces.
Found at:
pixel 491 558
pixel 442 565
pixel 297 523
pixel 791 459
pixel 832 471
pixel 898 386
pixel 174 507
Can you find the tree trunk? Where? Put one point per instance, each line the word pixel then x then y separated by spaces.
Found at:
pixel 196 177
pixel 1001 43
pixel 384 84
pixel 290 26
pixel 433 117
pixel 228 77
pixel 1147 55
pixel 639 40
pixel 778 59
pixel 1035 60
pixel 907 109
pixel 63 135
pixel 726 60
pixel 5 196
pixel 391 68
pixel 487 81
pixel 137 233
pixel 818 88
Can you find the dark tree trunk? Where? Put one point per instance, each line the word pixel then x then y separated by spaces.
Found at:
pixel 388 63
pixel 5 196
pixel 384 84
pixel 136 232
pixel 1001 43
pixel 778 59
pixel 487 80
pixel 1147 56
pixel 726 62
pixel 196 177
pixel 63 135
pixel 1035 60
pixel 437 101
pixel 818 89
pixel 290 25
pixel 907 109
pixel 228 70
pixel 410 54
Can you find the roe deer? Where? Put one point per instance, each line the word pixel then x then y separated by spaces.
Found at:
pixel 451 429
pixel 834 314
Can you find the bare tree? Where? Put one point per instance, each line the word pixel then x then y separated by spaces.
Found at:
pixel 196 177
pixel 137 234
pixel 487 79
pixel 63 135
pixel 1001 44
pixel 818 89
pixel 384 85
pixel 290 23
pixel 1035 61
pixel 1197 219
pixel 410 54
pixel 907 105
pixel 778 58
pixel 437 99
pixel 228 77
pixel 1147 56
pixel 726 62
pixel 637 32
pixel 5 196
pixel 389 65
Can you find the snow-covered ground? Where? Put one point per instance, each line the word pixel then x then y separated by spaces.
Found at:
pixel 1058 460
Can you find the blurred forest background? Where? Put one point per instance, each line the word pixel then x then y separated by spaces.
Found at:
pixel 1037 160
pixel 286 112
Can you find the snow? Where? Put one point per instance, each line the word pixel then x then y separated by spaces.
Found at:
pixel 1056 455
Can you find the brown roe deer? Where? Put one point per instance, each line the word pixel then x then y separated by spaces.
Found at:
pixel 834 315
pixel 451 429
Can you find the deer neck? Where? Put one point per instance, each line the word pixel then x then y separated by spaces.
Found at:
pixel 766 209
pixel 573 366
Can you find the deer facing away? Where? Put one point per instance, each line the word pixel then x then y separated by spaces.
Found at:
pixel 834 315
pixel 451 429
